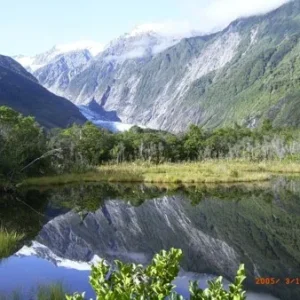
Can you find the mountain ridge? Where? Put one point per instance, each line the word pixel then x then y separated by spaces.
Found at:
pixel 9 63
pixel 19 91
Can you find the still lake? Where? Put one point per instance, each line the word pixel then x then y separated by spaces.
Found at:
pixel 68 228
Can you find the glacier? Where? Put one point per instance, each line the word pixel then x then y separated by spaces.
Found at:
pixel 97 119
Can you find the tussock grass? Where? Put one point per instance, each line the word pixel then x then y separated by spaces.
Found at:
pixel 211 171
pixel 53 291
pixel 16 295
pixel 8 242
pixel 200 172
pixel 99 175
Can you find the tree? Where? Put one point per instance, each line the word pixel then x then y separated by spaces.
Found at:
pixel 22 141
pixel 95 144
pixel 193 142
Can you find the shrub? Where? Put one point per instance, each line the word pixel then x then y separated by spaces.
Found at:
pixel 130 281
pixel 215 290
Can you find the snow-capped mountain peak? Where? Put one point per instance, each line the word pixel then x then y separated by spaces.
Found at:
pixel 146 40
pixel 33 63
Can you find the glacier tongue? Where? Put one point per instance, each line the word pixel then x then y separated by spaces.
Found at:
pixel 101 121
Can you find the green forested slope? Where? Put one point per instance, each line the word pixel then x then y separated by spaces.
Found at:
pixel 262 81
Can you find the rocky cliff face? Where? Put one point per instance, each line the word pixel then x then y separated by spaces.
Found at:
pixel 59 71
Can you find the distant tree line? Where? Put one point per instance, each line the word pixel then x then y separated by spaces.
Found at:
pixel 77 148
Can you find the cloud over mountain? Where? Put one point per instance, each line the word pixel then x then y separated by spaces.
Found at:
pixel 210 15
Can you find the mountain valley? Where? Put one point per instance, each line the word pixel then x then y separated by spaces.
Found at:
pixel 244 74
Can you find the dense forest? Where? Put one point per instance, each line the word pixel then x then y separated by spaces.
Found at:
pixel 27 149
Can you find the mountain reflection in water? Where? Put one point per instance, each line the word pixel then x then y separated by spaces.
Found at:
pixel 217 227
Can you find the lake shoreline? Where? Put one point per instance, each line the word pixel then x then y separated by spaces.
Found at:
pixel 207 172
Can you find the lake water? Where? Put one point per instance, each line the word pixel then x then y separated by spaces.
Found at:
pixel 218 227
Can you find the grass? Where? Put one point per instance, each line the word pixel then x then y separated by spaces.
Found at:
pixel 204 172
pixel 16 295
pixel 53 291
pixel 8 242
pixel 212 171
pixel 95 176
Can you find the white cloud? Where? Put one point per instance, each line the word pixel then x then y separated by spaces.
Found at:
pixel 93 47
pixel 136 53
pixel 203 16
pixel 208 15
pixel 165 28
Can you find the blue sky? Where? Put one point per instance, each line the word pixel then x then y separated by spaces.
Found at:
pixel 33 26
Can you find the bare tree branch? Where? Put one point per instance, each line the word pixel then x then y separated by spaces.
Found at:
pixel 48 153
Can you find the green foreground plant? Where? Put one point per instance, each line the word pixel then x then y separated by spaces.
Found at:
pixel 8 241
pixel 54 291
pixel 131 281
